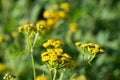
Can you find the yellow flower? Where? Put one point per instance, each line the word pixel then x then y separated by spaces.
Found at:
pixel 2 67
pixel 73 27
pixel 57 43
pixel 61 14
pixel 1 39
pixel 42 77
pixel 78 44
pixel 46 45
pixel 45 58
pixel 50 22
pixel 95 50
pixel 53 57
pixel 20 29
pixel 59 51
pixel 49 14
pixel 84 46
pixel 81 77
pixel 66 56
pixel 65 6
pixel 101 51
pixel 27 27
pixel 42 22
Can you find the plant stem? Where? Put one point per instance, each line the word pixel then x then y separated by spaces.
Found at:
pixel 61 76
pixel 55 73
pixel 33 66
pixel 30 50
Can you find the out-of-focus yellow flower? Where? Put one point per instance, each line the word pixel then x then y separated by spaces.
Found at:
pixel 78 43
pixel 42 22
pixel 65 6
pixel 81 77
pixel 2 67
pixel 73 27
pixel 50 22
pixel 26 27
pixel 61 14
pixel 49 14
pixel 91 49
pixel 8 76
pixel 1 39
pixel 40 77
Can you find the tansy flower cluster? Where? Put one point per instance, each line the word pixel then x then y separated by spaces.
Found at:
pixel 55 56
pixel 8 76
pixel 31 28
pixel 54 15
pixel 90 48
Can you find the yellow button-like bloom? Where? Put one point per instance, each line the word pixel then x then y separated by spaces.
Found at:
pixel 81 77
pixel 42 22
pixel 2 67
pixel 59 51
pixel 73 27
pixel 40 77
pixel 49 14
pixel 78 43
pixel 1 39
pixel 57 43
pixel 50 22
pixel 61 14
pixel 65 6
pixel 45 58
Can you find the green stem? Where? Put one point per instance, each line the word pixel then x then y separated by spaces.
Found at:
pixel 55 73
pixel 30 50
pixel 33 65
pixel 61 76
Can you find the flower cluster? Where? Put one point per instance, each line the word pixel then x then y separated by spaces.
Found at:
pixel 8 76
pixel 91 49
pixel 30 28
pixel 55 56
pixel 54 15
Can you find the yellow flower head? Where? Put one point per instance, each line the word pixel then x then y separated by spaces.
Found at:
pixel 26 28
pixel 50 22
pixel 73 27
pixel 59 51
pixel 2 67
pixel 62 14
pixel 65 6
pixel 78 44
pixel 49 14
pixel 52 43
pixel 40 77
pixel 42 22
pixel 81 77
pixel 1 39
pixel 57 43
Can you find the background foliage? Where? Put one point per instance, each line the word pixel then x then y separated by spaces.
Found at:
pixel 98 22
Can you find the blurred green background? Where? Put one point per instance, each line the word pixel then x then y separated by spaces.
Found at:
pixel 98 22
